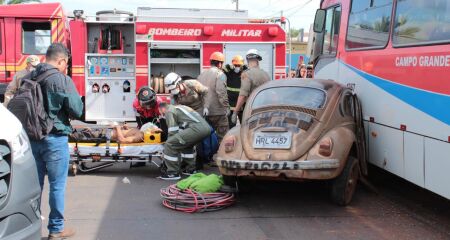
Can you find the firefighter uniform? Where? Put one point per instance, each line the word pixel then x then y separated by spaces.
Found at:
pixel 251 79
pixel 233 88
pixel 216 100
pixel 186 129
pixel 192 94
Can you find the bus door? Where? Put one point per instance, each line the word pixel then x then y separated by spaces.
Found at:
pixel 325 51
pixel 34 37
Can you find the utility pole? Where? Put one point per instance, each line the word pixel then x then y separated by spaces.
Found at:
pixel 237 4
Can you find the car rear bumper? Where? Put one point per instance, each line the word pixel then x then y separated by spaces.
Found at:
pixel 319 169
pixel 278 165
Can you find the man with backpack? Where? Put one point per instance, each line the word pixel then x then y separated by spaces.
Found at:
pixel 52 101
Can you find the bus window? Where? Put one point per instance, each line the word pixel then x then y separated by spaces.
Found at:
pixel 35 37
pixel 421 22
pixel 331 34
pixel 368 25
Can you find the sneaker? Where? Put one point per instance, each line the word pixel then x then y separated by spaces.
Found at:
pixel 189 172
pixel 66 233
pixel 169 177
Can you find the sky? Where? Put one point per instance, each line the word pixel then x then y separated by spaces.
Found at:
pixel 300 12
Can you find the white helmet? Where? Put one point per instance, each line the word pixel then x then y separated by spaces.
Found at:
pixel 253 54
pixel 171 82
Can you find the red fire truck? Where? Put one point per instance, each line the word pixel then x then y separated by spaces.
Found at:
pixel 115 53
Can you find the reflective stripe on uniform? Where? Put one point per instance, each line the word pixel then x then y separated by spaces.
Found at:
pixel 188 114
pixel 188 155
pixel 170 158
pixel 173 129
pixel 233 89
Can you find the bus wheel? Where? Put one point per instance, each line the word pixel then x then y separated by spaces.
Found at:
pixel 344 186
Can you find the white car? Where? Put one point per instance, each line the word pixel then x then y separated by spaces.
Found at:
pixel 20 216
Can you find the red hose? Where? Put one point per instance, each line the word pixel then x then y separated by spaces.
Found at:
pixel 190 201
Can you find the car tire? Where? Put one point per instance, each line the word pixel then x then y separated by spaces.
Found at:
pixel 343 187
pixel 229 180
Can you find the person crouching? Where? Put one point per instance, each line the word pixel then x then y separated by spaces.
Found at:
pixel 186 129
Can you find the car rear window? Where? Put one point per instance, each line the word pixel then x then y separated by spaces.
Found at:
pixel 291 96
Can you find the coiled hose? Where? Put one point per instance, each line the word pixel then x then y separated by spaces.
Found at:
pixel 190 201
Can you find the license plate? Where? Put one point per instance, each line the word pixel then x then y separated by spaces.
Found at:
pixel 272 140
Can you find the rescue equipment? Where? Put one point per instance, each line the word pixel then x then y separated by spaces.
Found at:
pixel 208 147
pixel 201 183
pixel 157 83
pixel 197 193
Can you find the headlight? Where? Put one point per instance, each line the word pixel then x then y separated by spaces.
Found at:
pixel 20 145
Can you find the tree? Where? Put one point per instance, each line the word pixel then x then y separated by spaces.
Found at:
pixel 294 32
pixel 18 1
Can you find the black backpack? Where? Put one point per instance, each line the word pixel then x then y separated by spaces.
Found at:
pixel 28 106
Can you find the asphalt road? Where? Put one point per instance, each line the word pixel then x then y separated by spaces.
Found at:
pixel 100 206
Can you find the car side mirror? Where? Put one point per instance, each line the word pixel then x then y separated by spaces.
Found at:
pixel 319 21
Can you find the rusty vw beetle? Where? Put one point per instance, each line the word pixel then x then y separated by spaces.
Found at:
pixel 298 129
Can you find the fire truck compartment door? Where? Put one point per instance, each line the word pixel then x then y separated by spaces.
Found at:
pixel 3 69
pixel 265 50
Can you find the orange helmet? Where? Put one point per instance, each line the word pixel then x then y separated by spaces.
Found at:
pixel 238 60
pixel 217 56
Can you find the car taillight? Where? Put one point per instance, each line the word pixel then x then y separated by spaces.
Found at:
pixel 229 143
pixel 326 147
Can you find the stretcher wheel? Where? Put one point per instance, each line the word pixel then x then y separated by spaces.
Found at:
pixel 74 169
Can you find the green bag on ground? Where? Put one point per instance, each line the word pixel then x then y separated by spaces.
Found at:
pixel 186 183
pixel 208 184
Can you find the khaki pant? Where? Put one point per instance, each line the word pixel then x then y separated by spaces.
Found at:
pixel 220 125
pixel 179 148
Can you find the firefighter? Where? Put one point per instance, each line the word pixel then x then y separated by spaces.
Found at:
pixel 250 80
pixel 233 73
pixel 186 129
pixel 146 109
pixel 189 92
pixel 216 108
pixel 32 61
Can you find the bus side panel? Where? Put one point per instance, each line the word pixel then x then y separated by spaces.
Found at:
pixel 437 165
pixel 414 158
pixel 142 78
pixel 78 49
pixel 386 148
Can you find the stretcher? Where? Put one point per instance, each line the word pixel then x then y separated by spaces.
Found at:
pixel 107 154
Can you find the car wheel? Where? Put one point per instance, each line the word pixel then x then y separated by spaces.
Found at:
pixel 344 186
pixel 230 181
